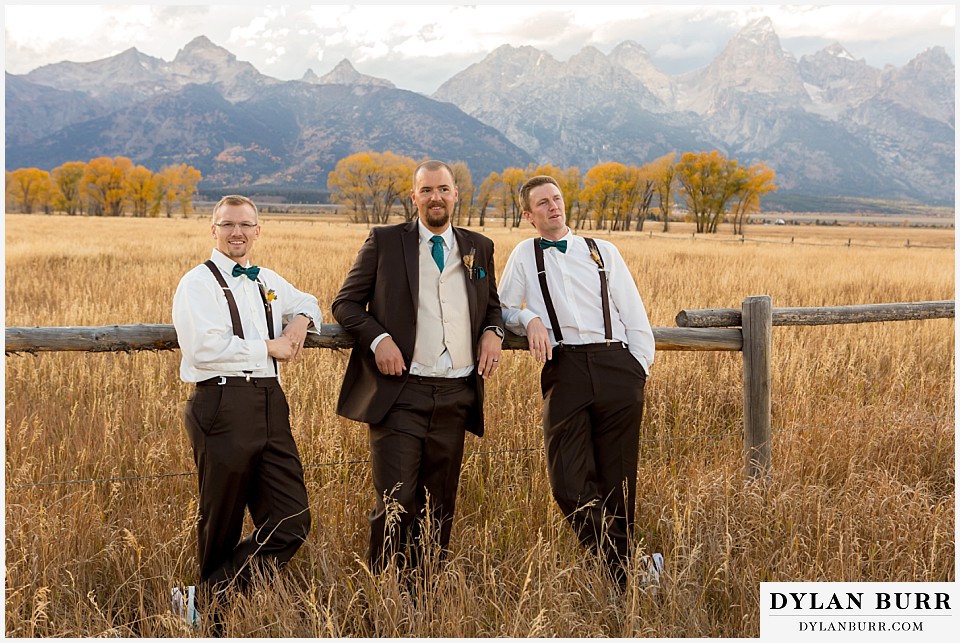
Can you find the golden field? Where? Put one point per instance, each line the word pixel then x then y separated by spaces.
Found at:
pixel 861 489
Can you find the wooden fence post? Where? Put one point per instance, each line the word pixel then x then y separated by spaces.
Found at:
pixel 757 340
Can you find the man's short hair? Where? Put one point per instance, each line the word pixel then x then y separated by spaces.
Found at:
pixel 432 165
pixel 534 182
pixel 235 199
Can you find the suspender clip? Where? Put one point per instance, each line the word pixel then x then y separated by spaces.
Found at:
pixel 221 381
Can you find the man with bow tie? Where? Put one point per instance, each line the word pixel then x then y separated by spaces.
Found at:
pixel 576 301
pixel 421 304
pixel 235 323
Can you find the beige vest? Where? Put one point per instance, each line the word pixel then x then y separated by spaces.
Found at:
pixel 443 319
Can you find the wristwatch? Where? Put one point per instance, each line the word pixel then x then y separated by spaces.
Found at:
pixel 309 318
pixel 497 330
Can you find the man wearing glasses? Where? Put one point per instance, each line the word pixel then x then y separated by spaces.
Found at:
pixel 235 323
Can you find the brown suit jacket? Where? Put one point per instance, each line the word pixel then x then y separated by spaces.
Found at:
pixel 380 295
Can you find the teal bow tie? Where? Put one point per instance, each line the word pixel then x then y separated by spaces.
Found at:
pixel 559 245
pixel 250 272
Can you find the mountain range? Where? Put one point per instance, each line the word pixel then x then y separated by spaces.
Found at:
pixel 828 124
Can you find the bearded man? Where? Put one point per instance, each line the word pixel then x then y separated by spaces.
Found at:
pixel 421 304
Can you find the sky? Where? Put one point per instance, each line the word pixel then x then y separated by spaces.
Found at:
pixel 419 47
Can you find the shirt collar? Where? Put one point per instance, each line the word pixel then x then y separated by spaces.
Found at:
pixel 223 262
pixel 425 234
pixel 569 237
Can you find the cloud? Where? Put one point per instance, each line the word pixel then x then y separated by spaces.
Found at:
pixel 420 46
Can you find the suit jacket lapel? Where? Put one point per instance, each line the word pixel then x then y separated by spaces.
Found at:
pixel 410 241
pixel 466 246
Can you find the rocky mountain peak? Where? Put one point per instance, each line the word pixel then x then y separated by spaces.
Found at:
pixel 635 59
pixel 919 85
pixel 588 57
pixel 129 66
pixel 837 50
pixel 346 74
pixel 933 59
pixel 203 62
pixel 760 32
pixel 201 52
pixel 837 81
pixel 753 62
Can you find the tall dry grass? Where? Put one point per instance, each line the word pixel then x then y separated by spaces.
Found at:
pixel 862 487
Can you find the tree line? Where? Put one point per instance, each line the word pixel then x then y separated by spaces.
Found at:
pixel 103 187
pixel 711 187
pixel 610 195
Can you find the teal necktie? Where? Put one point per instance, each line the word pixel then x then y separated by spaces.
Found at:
pixel 559 245
pixel 437 250
pixel 250 272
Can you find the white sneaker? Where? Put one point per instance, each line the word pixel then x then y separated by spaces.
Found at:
pixel 184 607
pixel 650 580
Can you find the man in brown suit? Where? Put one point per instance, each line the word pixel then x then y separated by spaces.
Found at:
pixel 421 304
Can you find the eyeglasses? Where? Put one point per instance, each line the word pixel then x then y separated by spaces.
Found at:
pixel 243 225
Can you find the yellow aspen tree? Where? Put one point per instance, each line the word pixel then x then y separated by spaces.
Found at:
pixel 464 182
pixel 46 192
pixel 603 187
pixel 485 194
pixel 141 185
pixel 190 178
pixel 759 181
pixel 348 185
pixel 68 184
pixel 168 187
pixel 571 182
pixel 662 171
pixel 509 195
pixel 25 185
pixel 708 182
pixel 395 180
pixel 103 183
pixel 644 189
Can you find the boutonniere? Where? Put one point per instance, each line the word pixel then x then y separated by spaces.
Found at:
pixel 268 296
pixel 468 261
pixel 597 259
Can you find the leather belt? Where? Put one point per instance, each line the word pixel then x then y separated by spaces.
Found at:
pixel 240 381
pixel 589 348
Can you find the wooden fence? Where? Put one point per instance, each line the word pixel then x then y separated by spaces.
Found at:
pixel 747 329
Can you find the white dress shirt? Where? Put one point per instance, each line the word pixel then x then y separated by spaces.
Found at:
pixel 201 317
pixel 574 284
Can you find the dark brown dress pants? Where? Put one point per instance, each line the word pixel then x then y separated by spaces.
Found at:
pixel 592 409
pixel 415 455
pixel 246 458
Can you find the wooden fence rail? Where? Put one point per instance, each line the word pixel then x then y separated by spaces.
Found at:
pixel 161 337
pixel 699 330
pixel 719 317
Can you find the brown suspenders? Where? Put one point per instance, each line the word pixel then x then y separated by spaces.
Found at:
pixel 604 292
pixel 231 302
pixel 548 301
pixel 542 276
pixel 232 305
